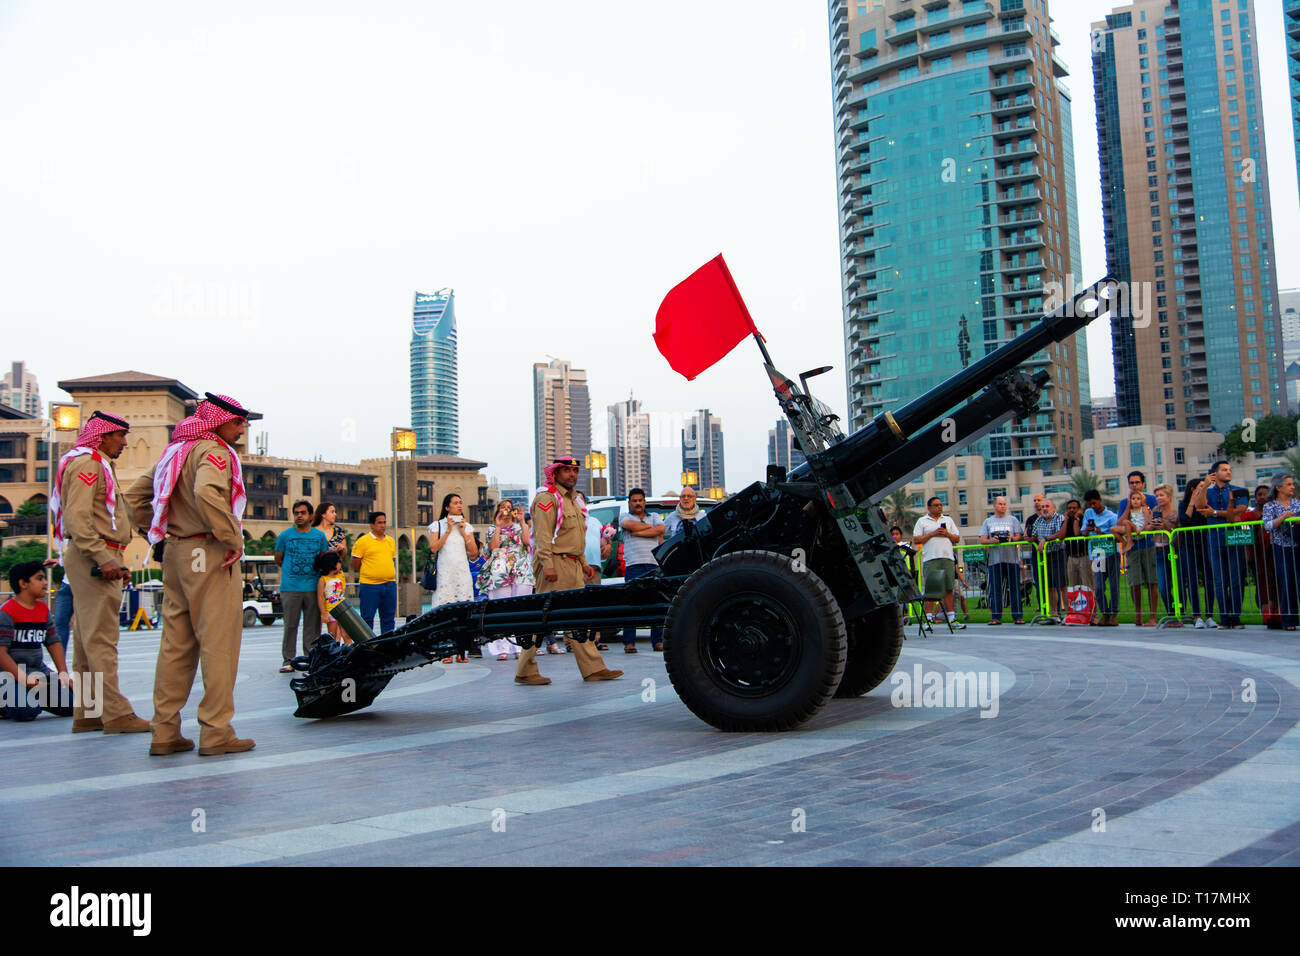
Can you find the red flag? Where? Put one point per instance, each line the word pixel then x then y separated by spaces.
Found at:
pixel 702 319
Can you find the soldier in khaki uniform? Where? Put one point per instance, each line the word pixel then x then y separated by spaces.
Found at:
pixel 193 499
pixel 92 533
pixel 559 563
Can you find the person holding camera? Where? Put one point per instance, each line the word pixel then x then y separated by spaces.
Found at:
pixel 453 542
pixel 1098 521
pixel 999 531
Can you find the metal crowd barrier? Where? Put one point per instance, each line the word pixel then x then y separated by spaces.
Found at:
pixel 1231 574
pixel 987 584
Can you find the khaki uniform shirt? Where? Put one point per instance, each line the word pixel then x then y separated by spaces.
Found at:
pixel 86 523
pixel 200 502
pixel 572 538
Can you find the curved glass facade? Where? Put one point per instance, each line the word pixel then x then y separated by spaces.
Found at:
pixel 435 407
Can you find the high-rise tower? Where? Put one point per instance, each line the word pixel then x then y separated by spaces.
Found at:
pixel 435 407
pixel 1180 129
pixel 561 416
pixel 702 450
pixel 957 207
pixel 629 447
pixel 1291 20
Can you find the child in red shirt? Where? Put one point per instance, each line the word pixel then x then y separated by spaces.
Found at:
pixel 25 685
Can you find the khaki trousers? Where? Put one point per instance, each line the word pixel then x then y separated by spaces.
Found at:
pixel 94 633
pixel 201 624
pixel 588 658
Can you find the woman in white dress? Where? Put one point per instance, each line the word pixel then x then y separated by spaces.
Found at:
pixel 453 543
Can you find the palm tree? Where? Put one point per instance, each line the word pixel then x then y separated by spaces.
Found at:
pixel 898 511
pixel 1293 461
pixel 1085 481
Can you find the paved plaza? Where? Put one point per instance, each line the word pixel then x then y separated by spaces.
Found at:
pixel 1109 747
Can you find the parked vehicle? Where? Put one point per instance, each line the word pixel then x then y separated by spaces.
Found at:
pixel 261 589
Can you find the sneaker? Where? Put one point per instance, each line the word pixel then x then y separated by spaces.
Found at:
pixel 1209 622
pixel 1200 623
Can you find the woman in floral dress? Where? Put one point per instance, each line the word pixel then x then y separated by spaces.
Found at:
pixel 509 570
pixel 453 543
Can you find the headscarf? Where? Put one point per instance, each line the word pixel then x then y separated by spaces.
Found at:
pixel 548 473
pixel 88 441
pixel 201 426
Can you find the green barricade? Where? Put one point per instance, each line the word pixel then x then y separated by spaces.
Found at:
pixel 1195 572
pixel 1226 571
pixel 973 578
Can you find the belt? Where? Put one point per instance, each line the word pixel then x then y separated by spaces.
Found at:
pixel 186 537
pixel 108 544
pixel 574 557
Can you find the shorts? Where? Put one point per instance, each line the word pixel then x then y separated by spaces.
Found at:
pixel 947 565
pixel 1141 567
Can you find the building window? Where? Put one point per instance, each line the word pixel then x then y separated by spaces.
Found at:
pixel 1137 454
pixel 941 473
pixel 1110 456
pixel 961 472
pixel 306 487
pixel 1112 486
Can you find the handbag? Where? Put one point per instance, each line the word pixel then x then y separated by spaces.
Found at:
pixel 429 577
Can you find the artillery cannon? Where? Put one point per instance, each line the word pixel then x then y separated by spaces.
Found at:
pixel 788 593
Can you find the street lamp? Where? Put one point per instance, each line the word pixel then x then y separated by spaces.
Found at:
pixel 63 418
pixel 690 478
pixel 716 494
pixel 402 439
pixel 596 463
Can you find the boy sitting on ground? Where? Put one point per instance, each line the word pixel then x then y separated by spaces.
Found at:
pixel 25 686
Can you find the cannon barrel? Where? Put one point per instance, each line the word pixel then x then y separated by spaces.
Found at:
pixel 850 459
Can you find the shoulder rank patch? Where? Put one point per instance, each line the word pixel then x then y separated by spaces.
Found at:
pixel 215 461
pixel 546 506
pixel 88 477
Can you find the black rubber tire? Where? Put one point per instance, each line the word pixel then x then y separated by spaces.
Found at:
pixel 267 620
pixel 875 641
pixel 250 617
pixel 708 667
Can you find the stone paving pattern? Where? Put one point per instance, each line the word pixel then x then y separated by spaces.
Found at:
pixel 1149 726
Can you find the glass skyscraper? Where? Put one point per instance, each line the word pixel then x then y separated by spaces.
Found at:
pixel 435 407
pixel 957 207
pixel 1291 20
pixel 1186 203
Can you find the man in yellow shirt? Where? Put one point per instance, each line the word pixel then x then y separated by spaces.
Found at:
pixel 375 556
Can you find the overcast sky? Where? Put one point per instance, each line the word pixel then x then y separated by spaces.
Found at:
pixel 245 196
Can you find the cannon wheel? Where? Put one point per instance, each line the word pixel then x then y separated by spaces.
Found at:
pixel 875 641
pixel 751 643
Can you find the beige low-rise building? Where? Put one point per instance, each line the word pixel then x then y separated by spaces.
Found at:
pixel 153 404
pixel 24 469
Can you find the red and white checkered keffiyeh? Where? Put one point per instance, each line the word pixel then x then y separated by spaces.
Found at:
pixel 198 427
pixel 88 442
pixel 550 488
